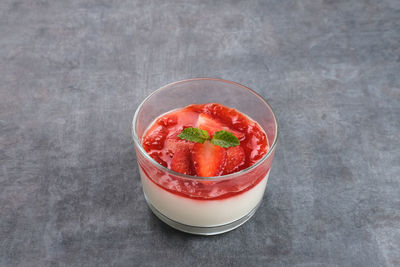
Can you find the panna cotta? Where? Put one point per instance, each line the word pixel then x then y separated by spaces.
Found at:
pixel 202 213
pixel 208 171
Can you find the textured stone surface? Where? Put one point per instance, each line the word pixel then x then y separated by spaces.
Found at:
pixel 73 72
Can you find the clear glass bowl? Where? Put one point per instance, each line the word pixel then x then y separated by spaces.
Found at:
pixel 199 205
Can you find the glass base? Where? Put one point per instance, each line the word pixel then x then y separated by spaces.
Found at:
pixel 197 230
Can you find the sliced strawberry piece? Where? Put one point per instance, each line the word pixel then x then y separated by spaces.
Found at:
pixel 229 116
pixel 174 145
pixel 235 158
pixel 195 108
pixel 211 125
pixel 208 159
pixel 168 120
pixel 181 162
pixel 155 138
pixel 225 114
pixel 207 123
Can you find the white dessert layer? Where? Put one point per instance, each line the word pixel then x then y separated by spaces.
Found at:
pixel 202 213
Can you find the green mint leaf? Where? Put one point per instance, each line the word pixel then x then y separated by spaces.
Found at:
pixel 194 135
pixel 224 139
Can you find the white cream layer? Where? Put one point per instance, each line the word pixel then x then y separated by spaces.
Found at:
pixel 202 213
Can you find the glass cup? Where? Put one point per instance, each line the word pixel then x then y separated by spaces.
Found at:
pixel 178 199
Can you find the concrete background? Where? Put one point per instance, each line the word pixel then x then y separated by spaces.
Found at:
pixel 73 72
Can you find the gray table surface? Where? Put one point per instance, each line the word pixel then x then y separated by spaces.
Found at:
pixel 73 72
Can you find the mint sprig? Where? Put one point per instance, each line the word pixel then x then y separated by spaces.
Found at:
pixel 194 135
pixel 224 139
pixel 220 138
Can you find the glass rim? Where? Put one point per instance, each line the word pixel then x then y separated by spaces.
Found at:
pixel 192 177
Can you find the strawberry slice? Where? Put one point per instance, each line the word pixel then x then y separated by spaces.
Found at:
pixel 208 159
pixel 174 145
pixel 168 120
pixel 229 116
pixel 207 123
pixel 181 162
pixel 195 108
pixel 235 158
pixel 155 138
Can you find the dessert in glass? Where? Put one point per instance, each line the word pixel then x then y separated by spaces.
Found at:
pixel 204 148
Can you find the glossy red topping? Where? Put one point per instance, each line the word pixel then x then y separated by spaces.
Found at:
pixel 162 143
pixel 235 158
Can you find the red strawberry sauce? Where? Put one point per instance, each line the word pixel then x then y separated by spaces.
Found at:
pixel 162 143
